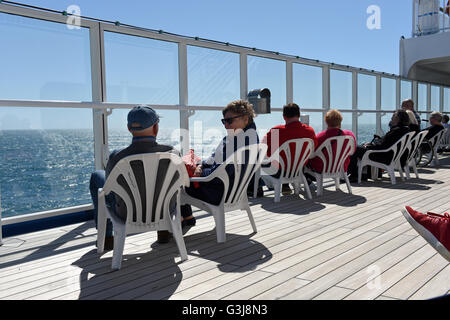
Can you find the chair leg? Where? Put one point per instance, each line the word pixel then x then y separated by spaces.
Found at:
pixel 392 175
pixel 415 169
pixel 297 186
pixel 101 225
pixel 308 191
pixel 119 244
pixel 178 235
pixel 407 171
pixel 219 218
pixel 349 187
pixel 360 168
pixel 319 180
pixel 250 217
pixel 400 171
pixel 337 183
pixel 277 191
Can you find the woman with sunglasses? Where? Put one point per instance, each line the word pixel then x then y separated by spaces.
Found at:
pixel 241 131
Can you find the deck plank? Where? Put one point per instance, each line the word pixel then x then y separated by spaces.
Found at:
pixel 304 249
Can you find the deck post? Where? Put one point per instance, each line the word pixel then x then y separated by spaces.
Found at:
pixel 378 105
pixel 355 113
pixel 99 116
pixel 325 93
pixel 183 97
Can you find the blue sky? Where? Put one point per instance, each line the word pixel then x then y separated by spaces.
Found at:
pixel 332 31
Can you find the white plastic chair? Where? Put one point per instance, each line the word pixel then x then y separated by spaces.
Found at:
pixel 435 143
pixel 397 148
pixel 333 167
pixel 445 140
pixel 245 161
pixel 291 167
pixel 147 183
pixel 412 147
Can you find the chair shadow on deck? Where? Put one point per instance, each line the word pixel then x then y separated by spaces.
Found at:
pixel 50 249
pixel 238 254
pixel 289 204
pixel 154 272
pixel 341 198
pixel 412 184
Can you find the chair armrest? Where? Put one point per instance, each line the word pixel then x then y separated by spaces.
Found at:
pixel 214 174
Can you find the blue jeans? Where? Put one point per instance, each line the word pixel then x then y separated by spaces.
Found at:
pixel 98 181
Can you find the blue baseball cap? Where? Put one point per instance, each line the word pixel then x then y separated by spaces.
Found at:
pixel 142 117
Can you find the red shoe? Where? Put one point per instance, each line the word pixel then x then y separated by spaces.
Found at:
pixel 435 228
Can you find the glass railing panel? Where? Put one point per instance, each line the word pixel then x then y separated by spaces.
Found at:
pixel 385 119
pixel 388 94
pixel 315 121
pixel 268 73
pixel 140 70
pixel 347 121
pixel 46 158
pixel 307 82
pixel 206 131
pixel 367 92
pixel 43 60
pixel 405 90
pixel 213 76
pixel 366 127
pixel 421 97
pixel 435 98
pixel 446 100
pixel 340 89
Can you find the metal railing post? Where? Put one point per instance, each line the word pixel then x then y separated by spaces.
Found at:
pixel 325 93
pixel 355 113
pixel 183 97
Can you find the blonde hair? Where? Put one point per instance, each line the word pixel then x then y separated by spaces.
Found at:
pixel 333 118
pixel 240 107
pixel 412 117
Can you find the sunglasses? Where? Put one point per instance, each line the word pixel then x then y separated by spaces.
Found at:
pixel 230 120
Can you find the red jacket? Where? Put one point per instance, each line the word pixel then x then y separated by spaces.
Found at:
pixel 316 163
pixel 293 130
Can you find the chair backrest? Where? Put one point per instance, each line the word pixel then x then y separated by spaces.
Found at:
pixel 445 140
pixel 340 148
pixel 147 183
pixel 434 140
pixel 400 147
pixel 292 156
pixel 414 144
pixel 242 165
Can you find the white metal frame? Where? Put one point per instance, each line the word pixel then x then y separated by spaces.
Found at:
pixel 101 109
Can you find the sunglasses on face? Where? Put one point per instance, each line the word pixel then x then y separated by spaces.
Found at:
pixel 230 120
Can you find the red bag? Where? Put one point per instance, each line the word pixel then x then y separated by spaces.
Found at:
pixel 191 161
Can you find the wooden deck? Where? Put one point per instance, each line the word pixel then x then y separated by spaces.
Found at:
pixel 327 248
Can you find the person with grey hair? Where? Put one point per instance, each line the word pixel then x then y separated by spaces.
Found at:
pixel 433 129
pixel 435 124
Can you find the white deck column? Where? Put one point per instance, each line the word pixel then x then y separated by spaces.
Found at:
pixel 183 97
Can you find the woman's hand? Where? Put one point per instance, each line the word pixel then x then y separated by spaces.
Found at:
pixel 198 171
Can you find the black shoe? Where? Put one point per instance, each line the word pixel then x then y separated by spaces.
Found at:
pixel 164 236
pixel 188 222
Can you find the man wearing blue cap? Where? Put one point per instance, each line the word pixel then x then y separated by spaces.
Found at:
pixel 143 125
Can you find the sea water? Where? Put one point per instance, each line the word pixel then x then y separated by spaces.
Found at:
pixel 49 169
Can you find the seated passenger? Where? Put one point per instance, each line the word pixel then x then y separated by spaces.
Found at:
pixel 399 127
pixel 292 129
pixel 445 119
pixel 143 125
pixel 241 129
pixel 413 125
pixel 333 119
pixel 408 104
pixel 433 129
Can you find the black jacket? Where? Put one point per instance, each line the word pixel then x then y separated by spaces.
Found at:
pixel 387 141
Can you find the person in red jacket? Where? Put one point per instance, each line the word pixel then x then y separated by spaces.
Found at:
pixel 292 129
pixel 333 118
